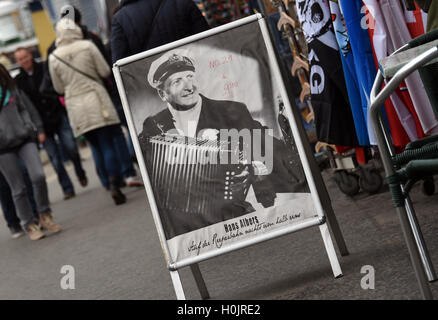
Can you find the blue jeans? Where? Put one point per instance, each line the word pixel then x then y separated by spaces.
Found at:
pixel 110 153
pixel 125 165
pixel 67 140
pixel 7 202
pixel 123 121
pixel 100 166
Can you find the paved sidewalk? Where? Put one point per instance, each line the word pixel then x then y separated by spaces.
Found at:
pixel 116 253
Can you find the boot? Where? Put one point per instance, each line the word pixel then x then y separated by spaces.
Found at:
pixel 114 187
pixel 34 232
pixel 46 221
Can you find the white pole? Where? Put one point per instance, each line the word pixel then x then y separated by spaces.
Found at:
pixel 328 243
pixel 177 285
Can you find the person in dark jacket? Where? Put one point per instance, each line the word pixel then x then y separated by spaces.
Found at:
pixel 140 25
pixel 20 127
pixel 54 119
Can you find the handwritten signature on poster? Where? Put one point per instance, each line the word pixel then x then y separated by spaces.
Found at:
pixel 229 85
pixel 220 61
pixel 238 229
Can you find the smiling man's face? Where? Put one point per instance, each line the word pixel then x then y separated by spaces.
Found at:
pixel 180 90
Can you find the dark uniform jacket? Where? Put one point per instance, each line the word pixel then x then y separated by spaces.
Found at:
pixel 287 174
pixel 214 115
pixel 132 30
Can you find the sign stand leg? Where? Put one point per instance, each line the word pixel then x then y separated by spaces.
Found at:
pixel 177 285
pixel 328 243
pixel 200 281
pixel 323 194
pixel 332 222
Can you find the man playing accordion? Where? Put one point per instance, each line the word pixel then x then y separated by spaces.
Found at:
pixel 202 155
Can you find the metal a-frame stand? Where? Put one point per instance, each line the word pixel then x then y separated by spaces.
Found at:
pixel 325 217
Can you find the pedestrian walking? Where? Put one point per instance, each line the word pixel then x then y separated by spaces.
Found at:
pixel 123 147
pixel 55 121
pixel 77 68
pixel 20 129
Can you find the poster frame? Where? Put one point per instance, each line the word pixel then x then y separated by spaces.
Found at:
pixel 318 220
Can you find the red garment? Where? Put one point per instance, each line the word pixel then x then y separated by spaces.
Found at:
pixel 416 22
pixel 399 136
pixel 398 132
pixel 360 153
pixel 403 94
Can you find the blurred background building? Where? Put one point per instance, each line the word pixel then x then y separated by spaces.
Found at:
pixel 30 23
pixel 16 27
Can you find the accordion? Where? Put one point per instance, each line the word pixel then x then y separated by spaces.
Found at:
pixel 196 177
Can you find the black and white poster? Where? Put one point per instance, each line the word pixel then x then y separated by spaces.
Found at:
pixel 215 140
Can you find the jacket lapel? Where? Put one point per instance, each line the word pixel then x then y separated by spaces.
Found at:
pixel 207 118
pixel 167 122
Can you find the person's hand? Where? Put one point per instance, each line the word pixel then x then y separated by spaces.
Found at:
pixel 239 182
pixel 260 168
pixel 41 137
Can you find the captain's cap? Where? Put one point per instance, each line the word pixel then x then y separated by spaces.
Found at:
pixel 168 64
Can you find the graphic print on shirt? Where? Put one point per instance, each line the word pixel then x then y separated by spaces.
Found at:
pixel 317 76
pixel 315 17
pixel 340 28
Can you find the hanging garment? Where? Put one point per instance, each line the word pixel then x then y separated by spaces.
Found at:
pixel 351 79
pixel 416 21
pixel 399 35
pixel 333 117
pixel 400 138
pixel 402 119
pixel 362 52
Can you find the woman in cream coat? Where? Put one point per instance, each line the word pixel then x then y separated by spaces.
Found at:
pixel 76 69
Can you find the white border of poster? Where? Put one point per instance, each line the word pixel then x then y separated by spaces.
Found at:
pixel 209 56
